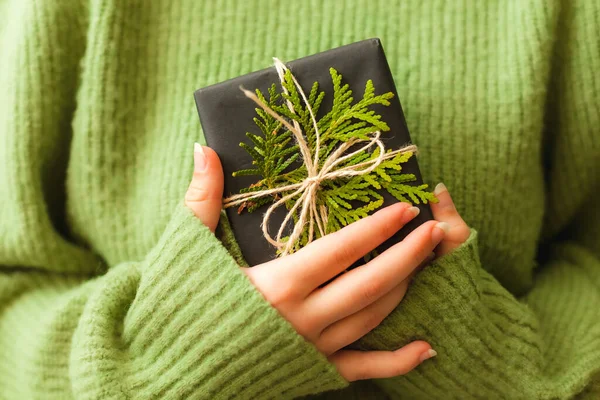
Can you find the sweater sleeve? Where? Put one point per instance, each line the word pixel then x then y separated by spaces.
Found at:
pixel 183 323
pixel 545 344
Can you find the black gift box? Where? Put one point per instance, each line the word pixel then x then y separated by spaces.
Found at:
pixel 226 114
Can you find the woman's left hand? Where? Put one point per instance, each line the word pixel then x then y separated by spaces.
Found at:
pixel 445 211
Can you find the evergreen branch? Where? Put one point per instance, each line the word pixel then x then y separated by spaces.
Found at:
pixel 275 154
pixel 247 172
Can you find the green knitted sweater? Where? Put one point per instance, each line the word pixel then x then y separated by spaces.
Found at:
pixel 110 288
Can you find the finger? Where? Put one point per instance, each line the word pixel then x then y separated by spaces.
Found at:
pixel 205 193
pixel 445 211
pixel 357 365
pixel 325 258
pixel 357 325
pixel 361 286
pixel 425 262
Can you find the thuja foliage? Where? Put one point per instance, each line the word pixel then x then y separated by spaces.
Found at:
pixel 276 156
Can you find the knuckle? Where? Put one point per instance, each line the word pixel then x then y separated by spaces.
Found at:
pixel 401 369
pixel 447 207
pixel 201 190
pixel 371 291
pixel 388 227
pixel 279 298
pixel 322 347
pixel 352 368
pixel 343 254
pixel 307 327
pixel 198 176
pixel 279 294
pixel 303 330
pixel 196 193
pixel 372 321
pixel 277 290
pixel 462 231
pixel 327 349
pixel 417 258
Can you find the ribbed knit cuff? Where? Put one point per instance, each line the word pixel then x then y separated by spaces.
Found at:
pixel 484 337
pixel 429 296
pixel 198 328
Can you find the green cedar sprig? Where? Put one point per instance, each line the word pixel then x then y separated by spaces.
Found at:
pixel 275 153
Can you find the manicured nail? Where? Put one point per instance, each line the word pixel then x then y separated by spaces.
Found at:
pixel 439 188
pixel 199 158
pixel 439 231
pixel 428 354
pixel 413 211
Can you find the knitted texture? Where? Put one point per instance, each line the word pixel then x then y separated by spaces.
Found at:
pixel 110 288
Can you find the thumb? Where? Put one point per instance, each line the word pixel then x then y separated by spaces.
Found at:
pixel 205 193
pixel 445 211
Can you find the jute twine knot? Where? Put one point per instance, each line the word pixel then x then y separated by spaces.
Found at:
pixel 317 171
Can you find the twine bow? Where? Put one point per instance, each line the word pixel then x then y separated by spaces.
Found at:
pixel 317 171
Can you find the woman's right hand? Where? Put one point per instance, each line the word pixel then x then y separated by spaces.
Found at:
pixel 355 302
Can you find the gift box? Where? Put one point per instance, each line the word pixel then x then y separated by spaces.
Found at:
pixel 227 114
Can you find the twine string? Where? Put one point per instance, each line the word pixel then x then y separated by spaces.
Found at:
pixel 305 192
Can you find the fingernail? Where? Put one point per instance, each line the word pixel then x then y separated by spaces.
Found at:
pixel 439 231
pixel 428 354
pixel 440 187
pixel 413 211
pixel 431 256
pixel 199 158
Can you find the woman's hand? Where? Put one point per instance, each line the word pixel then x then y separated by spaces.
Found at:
pixel 355 302
pixel 445 211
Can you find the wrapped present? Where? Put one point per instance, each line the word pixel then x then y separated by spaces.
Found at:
pixel 311 146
